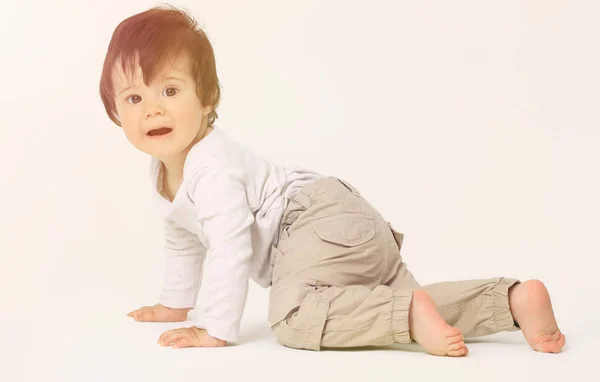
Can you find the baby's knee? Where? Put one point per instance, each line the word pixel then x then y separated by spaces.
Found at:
pixel 295 338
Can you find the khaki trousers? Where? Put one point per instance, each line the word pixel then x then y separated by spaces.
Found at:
pixel 339 280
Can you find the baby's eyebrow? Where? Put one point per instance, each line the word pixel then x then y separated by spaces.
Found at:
pixel 172 77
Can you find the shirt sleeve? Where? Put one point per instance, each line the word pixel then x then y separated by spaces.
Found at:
pixel 225 218
pixel 184 256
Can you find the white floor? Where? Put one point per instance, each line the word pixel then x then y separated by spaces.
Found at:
pixel 70 338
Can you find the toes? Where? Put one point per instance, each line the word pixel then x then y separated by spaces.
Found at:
pixel 549 343
pixel 558 335
pixel 552 347
pixel 548 347
pixel 562 341
pixel 456 338
pixel 456 344
pixel 459 352
pixel 559 338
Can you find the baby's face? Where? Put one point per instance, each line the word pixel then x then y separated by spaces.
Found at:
pixel 164 118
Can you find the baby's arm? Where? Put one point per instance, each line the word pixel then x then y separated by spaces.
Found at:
pixel 225 217
pixel 183 263
pixel 184 255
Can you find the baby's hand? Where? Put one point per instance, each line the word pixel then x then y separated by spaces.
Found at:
pixel 189 337
pixel 159 313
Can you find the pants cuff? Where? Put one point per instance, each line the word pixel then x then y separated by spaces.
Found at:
pixel 502 316
pixel 400 309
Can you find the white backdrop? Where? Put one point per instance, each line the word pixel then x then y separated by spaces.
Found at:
pixel 472 125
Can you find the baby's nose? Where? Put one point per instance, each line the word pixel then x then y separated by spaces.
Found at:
pixel 154 111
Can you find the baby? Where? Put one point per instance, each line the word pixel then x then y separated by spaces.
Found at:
pixel 332 262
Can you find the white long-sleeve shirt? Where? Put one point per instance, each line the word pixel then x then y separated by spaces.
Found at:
pixel 220 227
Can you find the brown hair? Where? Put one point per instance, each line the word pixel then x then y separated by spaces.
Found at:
pixel 156 37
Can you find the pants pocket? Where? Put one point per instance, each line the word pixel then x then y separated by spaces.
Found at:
pixel 347 228
pixel 303 329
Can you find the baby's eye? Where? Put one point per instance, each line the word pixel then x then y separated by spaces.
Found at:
pixel 134 99
pixel 170 92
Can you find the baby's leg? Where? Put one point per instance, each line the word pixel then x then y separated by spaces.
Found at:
pixel 484 307
pixel 477 307
pixel 356 316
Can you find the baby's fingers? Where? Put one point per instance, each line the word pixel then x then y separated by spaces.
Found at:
pixel 145 315
pixel 134 312
pixel 178 338
pixel 167 337
pixel 183 342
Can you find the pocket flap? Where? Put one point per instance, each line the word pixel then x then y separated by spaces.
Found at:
pixel 347 229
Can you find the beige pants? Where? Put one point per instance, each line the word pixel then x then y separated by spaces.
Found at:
pixel 339 280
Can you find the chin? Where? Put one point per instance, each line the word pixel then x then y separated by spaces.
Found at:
pixel 164 153
pixel 167 150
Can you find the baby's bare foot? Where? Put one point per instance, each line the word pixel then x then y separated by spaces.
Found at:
pixel 532 310
pixel 428 328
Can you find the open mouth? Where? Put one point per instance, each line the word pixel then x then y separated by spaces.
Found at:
pixel 160 131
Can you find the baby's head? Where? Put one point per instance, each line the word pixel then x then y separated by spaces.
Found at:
pixel 159 81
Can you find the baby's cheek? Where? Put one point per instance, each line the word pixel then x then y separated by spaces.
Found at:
pixel 134 135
